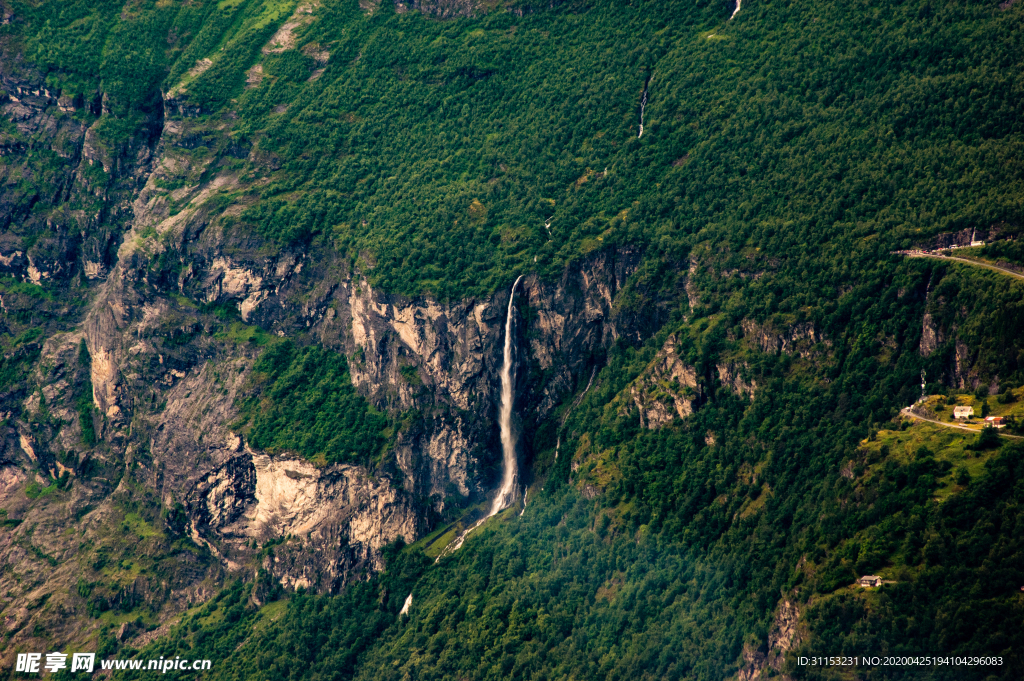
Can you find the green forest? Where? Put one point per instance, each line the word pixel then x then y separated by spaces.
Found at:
pixel 786 154
pixel 566 591
pixel 302 400
pixel 439 150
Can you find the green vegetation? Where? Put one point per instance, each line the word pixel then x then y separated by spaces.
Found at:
pixel 127 53
pixel 1011 251
pixel 249 25
pixel 15 365
pixel 694 539
pixel 963 566
pixel 86 410
pixel 411 375
pixel 6 522
pixel 786 154
pixel 238 332
pixel 986 307
pixel 954 450
pixel 121 567
pixel 441 148
pixel 303 401
pixel 34 490
pixel 552 594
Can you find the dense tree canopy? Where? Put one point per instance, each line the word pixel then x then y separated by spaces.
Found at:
pixel 786 154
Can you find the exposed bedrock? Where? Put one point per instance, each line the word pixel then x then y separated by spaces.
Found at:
pixel 164 389
pixel 441 360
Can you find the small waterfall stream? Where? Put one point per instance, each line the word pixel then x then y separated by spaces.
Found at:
pixel 643 105
pixel 575 403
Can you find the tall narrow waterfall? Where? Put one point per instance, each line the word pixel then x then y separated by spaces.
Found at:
pixel 510 476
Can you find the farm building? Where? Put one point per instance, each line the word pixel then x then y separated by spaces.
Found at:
pixel 963 412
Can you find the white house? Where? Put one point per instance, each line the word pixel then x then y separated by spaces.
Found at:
pixel 963 412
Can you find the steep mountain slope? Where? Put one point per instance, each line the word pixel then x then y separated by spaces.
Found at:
pixel 257 257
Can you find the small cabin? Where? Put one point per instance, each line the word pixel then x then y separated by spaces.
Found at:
pixel 995 421
pixel 870 581
pixel 963 412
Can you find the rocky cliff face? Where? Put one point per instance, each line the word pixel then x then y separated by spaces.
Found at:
pixel 785 635
pixel 945 333
pixel 443 9
pixel 134 398
pixel 161 369
pixel 67 188
pixel 151 302
pixel 336 519
pixel 670 388
pixel 802 339
pixel 931 335
pixel 965 237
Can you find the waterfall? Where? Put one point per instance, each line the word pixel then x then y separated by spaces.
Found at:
pixel 510 475
pixel 736 11
pixel 408 604
pixel 643 105
pixel 575 403
pixel 507 491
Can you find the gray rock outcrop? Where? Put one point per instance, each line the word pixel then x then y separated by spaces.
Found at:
pixel 134 393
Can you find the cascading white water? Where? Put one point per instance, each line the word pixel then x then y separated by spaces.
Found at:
pixel 643 105
pixel 510 476
pixel 737 10
pixel 507 491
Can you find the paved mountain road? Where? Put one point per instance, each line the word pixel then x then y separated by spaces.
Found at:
pixel 995 268
pixel 917 417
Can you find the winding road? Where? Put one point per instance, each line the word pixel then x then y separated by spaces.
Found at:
pixel 995 268
pixel 906 411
